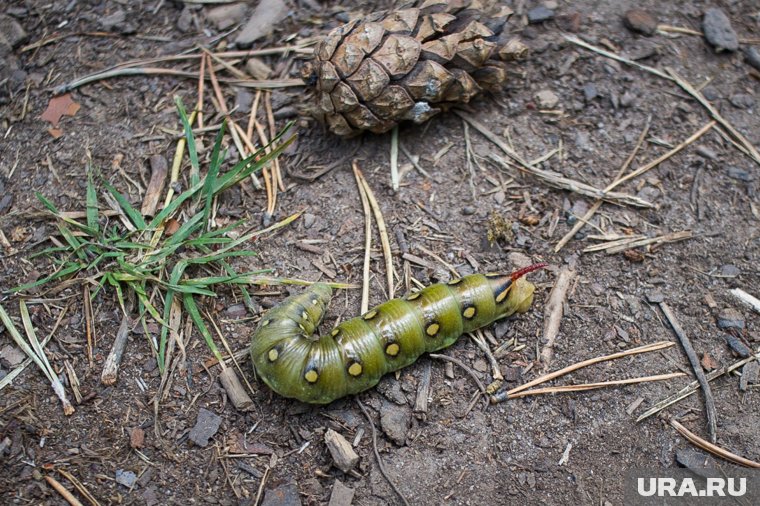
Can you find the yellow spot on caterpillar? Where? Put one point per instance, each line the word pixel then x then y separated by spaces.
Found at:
pixel 265 323
pixel 432 329
pixel 469 312
pixel 335 332
pixel 273 355
pixel 502 295
pixel 455 281
pixel 304 315
pixel 370 315
pixel 355 369
pixel 392 349
pixel 300 326
pixel 413 296
pixel 314 301
pixel 311 376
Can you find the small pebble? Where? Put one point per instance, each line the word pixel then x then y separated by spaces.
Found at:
pixel 628 99
pixel 640 21
pixel 395 420
pixel 752 57
pixel 206 426
pixel 540 14
pixel 706 152
pixel 718 30
pixel 309 220
pixel 284 495
pixel 341 495
pixel 730 318
pixel 126 478
pixel 743 101
pixel 710 93
pixel 737 345
pixel 547 99
pixel 469 210
pixel 729 271
pixel 749 375
pixel 12 31
pixel 696 461
pixel 655 296
pixel 225 16
pixel 733 172
pixel 590 92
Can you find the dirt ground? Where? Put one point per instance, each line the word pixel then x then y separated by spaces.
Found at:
pixel 503 454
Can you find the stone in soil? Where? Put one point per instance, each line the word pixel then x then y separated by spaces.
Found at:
pixel 11 31
pixel 733 173
pixel 206 426
pixel 752 57
pixel 718 30
pixel 737 346
pixel 743 101
pixel 126 478
pixel 540 14
pixel 547 99
pixel 640 21
pixel 395 421
pixel 590 92
pixel 11 355
pixel 696 461
pixel 343 454
pixel 257 69
pixel 225 16
pixel 284 495
pixel 730 318
pixel 391 390
pixel 341 495
pixel 265 17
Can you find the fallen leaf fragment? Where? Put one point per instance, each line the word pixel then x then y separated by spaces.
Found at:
pixel 62 105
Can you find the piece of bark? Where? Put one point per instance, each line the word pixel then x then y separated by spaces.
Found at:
pixel 343 454
pixel 423 392
pixel 111 368
pixel 341 495
pixel 749 375
pixel 235 390
pixel 158 170
pixel 553 313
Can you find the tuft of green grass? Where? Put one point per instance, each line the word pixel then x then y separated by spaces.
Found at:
pixel 136 259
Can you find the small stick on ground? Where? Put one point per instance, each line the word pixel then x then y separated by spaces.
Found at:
pixel 746 298
pixel 712 416
pixel 377 454
pixel 580 365
pixel 89 321
pixel 480 340
pixel 367 238
pixel 693 387
pixel 594 208
pixel 586 386
pixel 461 364
pixel 553 313
pixel 712 448
pixel 618 245
pixel 111 367
pixel 79 486
pixel 394 159
pixel 63 491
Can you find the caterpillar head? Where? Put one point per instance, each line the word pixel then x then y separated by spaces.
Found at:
pixel 512 292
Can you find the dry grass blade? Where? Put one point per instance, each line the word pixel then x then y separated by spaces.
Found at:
pixel 580 365
pixel 367 237
pixel 592 386
pixel 89 319
pixel 578 42
pixel 712 448
pixel 594 208
pixel 553 311
pixel 383 231
pixel 394 159
pixel 68 496
pixel 618 245
pixel 35 352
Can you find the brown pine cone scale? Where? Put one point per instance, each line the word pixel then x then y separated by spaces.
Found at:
pixel 374 73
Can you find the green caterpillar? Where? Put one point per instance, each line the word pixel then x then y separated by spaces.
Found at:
pixel 358 352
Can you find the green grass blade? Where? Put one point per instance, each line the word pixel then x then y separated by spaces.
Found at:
pixel 192 309
pixel 92 202
pixel 134 216
pixel 211 175
pixel 191 149
pixel 72 268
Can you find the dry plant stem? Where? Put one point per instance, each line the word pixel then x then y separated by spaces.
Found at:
pixel 592 386
pixel 461 364
pixel 79 486
pixel 688 88
pixel 693 387
pixel 272 135
pixel 383 231
pixel 252 115
pixel 377 454
pixel 89 318
pixel 111 367
pixel 268 171
pixel 619 245
pixel 712 416
pixel 746 298
pixel 594 208
pixel 62 490
pixel 580 365
pixel 394 159
pixel 244 402
pixel 367 238
pixel 712 448
pixel 201 89
pixel 553 313
pixel 480 341
pixel 578 42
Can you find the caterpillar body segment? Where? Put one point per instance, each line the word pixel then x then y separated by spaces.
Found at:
pixel 354 355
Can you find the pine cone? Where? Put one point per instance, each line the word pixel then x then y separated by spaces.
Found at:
pixel 409 64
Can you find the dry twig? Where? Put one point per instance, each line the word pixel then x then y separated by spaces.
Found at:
pixel 553 313
pixel 711 447
pixel 367 238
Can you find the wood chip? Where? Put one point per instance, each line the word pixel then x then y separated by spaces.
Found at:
pixel 344 456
